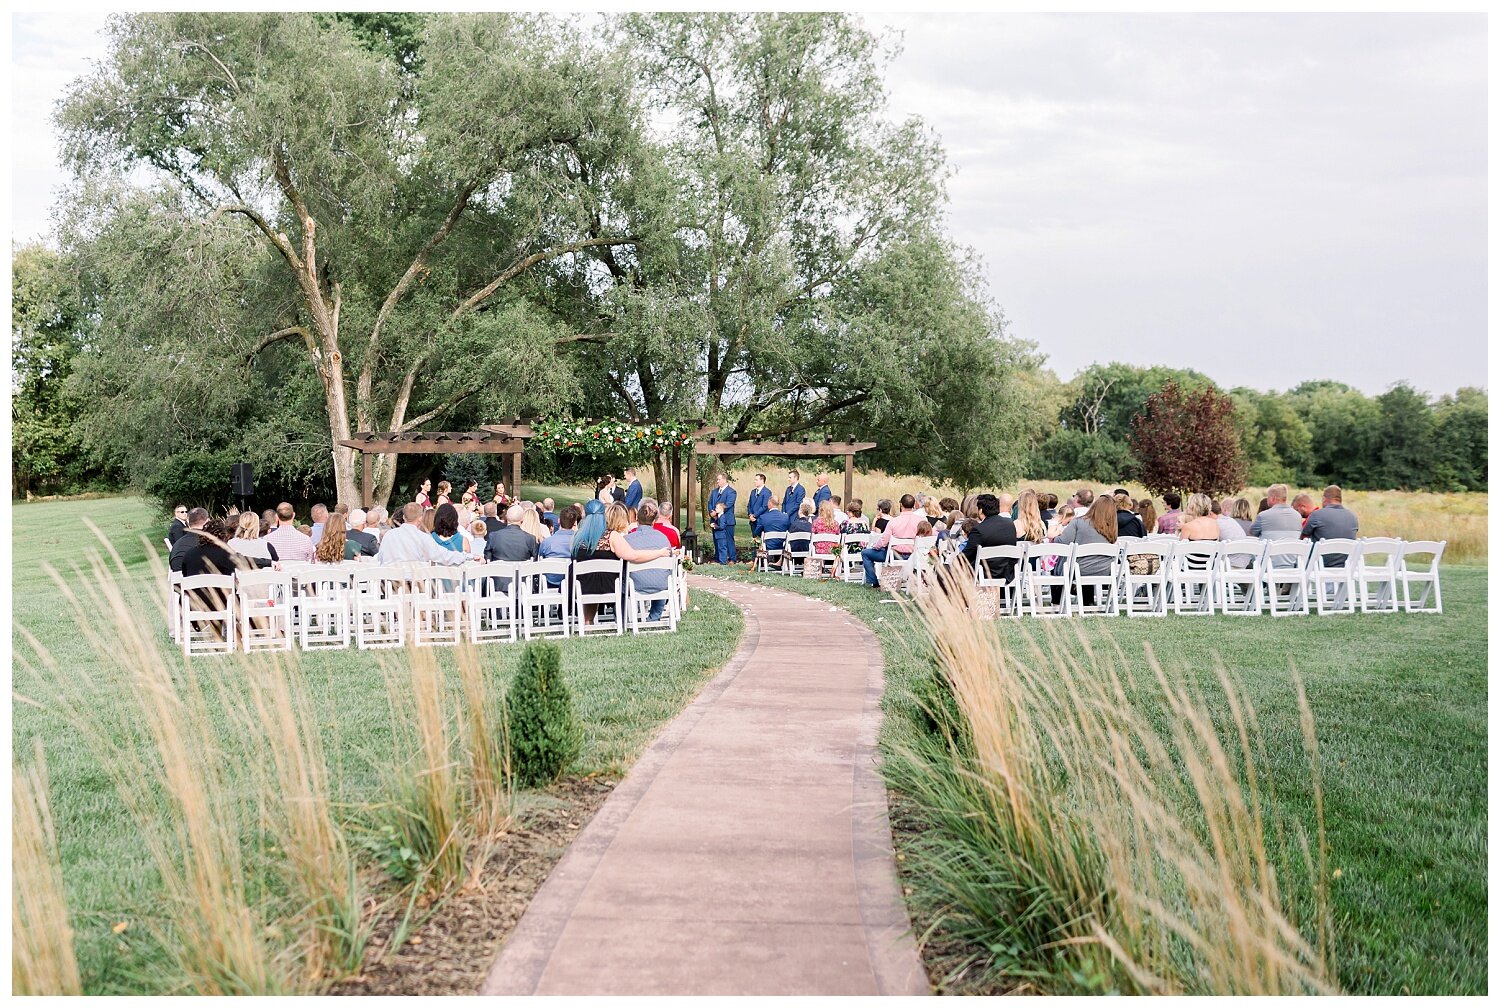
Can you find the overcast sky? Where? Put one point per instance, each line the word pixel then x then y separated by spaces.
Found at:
pixel 1265 198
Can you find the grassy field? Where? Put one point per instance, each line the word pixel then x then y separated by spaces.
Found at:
pixel 624 689
pixel 1400 703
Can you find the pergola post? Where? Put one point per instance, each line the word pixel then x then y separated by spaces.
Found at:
pixel 366 479
pixel 676 484
pixel 692 489
pixel 848 479
pixel 515 475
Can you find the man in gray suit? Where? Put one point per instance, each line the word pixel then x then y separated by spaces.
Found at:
pixel 1279 521
pixel 510 541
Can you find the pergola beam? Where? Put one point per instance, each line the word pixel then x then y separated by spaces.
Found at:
pixel 792 448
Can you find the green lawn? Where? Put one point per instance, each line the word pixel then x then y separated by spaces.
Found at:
pixel 1400 703
pixel 624 688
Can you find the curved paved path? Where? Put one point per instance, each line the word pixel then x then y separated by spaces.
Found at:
pixel 749 850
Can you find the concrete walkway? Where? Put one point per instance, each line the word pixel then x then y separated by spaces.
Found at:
pixel 749 851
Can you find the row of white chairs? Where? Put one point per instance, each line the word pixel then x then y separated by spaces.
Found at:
pixel 1241 577
pixel 328 606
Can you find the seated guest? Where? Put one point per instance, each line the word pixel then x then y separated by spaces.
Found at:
pixel 996 529
pixel 207 554
pixel 409 542
pixel 1303 505
pixel 531 523
pixel 801 522
pixel 1332 521
pixel 492 519
pixel 839 514
pixel 882 515
pixel 935 515
pixel 1279 520
pixel 428 521
pixel 825 522
pixel 1127 521
pixel 1097 525
pixel 953 525
pixel 666 528
pixel 1083 499
pixel 359 535
pixel 548 515
pixel 949 504
pixel 903 526
pixel 247 540
pixel 1240 512
pixel 1198 521
pixel 1265 505
pixel 1028 526
pixel 1146 509
pixel 773 525
pixel 267 521
pixel 376 522
pixel 855 520
pixel 197 518
pixel 1007 505
pixel 1228 527
pixel 319 515
pixel 478 535
pixel 1170 522
pixel 612 545
pixel 559 545
pixel 179 524
pixel 335 546
pixel 1049 507
pixel 646 537
pixel 291 544
pixel 511 542
pixel 445 528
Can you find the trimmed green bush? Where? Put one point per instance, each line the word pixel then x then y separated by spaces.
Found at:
pixel 541 724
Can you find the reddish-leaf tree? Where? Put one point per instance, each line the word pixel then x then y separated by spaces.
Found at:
pixel 1187 442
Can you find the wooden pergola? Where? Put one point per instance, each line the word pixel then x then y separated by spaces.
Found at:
pixel 759 446
pixel 480 442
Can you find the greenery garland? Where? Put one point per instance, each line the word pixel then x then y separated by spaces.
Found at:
pixel 611 437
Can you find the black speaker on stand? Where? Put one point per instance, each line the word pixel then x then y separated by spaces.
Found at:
pixel 242 481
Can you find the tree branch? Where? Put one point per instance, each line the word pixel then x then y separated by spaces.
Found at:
pixel 282 242
pixel 521 265
pixel 277 337
pixel 441 408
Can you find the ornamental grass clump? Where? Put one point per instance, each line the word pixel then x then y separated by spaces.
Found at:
pixel 1083 848
pixel 41 956
pixel 544 730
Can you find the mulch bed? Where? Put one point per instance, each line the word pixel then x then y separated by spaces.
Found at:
pixel 451 951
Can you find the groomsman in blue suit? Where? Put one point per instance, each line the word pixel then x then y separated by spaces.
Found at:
pixel 823 492
pixel 633 493
pixel 760 503
pixel 723 497
pixel 791 501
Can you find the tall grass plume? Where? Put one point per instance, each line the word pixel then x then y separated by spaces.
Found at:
pixel 42 960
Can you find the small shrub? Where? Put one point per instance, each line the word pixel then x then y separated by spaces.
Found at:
pixel 545 734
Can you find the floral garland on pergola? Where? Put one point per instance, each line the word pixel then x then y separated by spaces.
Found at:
pixel 611 437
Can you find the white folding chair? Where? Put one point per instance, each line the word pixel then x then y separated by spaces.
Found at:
pixel 1330 575
pixel 491 609
pixel 1409 575
pixel 638 600
pixel 437 597
pixel 1040 580
pixel 207 630
pixel 849 569
pixel 899 559
pixel 1240 586
pixel 919 564
pixel 538 597
pixel 378 595
pixel 174 603
pixel 1284 573
pixel 1146 594
pixel 1010 588
pixel 264 600
pixel 599 599
pixel 1194 574
pixel 1106 584
pixel 820 564
pixel 1377 573
pixel 793 558
pixel 321 599
pixel 768 560
pixel 298 571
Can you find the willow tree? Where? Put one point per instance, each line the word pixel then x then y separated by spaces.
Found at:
pixel 806 288
pixel 366 219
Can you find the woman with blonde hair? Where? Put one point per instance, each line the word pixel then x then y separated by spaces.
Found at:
pixel 1029 525
pixel 823 523
pixel 335 546
pixel 444 489
pixel 532 522
pixel 935 516
pixel 247 540
pixel 612 545
pixel 1240 512
pixel 1198 521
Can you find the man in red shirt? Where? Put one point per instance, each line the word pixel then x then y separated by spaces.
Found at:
pixel 666 528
